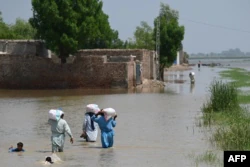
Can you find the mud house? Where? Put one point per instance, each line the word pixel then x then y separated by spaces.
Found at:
pixel 29 65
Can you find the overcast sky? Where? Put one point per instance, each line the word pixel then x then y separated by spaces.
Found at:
pixel 210 25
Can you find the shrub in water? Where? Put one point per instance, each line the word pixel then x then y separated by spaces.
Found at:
pixel 223 97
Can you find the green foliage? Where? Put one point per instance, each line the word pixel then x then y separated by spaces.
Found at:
pixel 143 37
pixel 223 97
pixel 186 55
pixel 56 23
pixel 130 44
pixel 69 25
pixel 5 32
pixel 240 78
pixel 234 136
pixel 232 126
pixel 20 30
pixel 208 158
pixel 171 35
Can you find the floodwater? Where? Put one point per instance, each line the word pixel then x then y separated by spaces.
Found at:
pixel 153 129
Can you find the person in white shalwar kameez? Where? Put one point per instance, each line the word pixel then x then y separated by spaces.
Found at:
pixel 58 129
pixel 89 128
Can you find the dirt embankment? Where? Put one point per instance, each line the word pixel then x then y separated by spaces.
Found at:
pixel 146 83
pixel 182 67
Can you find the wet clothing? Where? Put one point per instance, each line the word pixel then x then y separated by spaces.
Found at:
pixel 90 127
pixel 15 150
pixel 58 129
pixel 191 78
pixel 107 132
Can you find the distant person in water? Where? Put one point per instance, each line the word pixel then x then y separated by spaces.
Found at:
pixel 199 64
pixel 191 76
pixel 18 149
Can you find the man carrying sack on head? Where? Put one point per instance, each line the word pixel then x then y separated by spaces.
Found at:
pixel 58 128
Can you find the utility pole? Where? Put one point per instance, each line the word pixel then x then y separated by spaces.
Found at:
pixel 157 44
pixel 158 36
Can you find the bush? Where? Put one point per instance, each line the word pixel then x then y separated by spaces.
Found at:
pixel 224 97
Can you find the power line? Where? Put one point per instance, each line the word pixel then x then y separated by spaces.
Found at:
pixel 216 26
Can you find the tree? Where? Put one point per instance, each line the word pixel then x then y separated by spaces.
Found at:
pixel 144 36
pixel 69 25
pixel 22 30
pixel 171 35
pixel 116 42
pixel 5 32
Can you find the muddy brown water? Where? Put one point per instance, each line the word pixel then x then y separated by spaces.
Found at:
pixel 154 127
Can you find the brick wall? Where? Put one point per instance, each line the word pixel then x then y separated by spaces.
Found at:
pixel 146 57
pixel 32 72
pixel 105 68
pixel 131 74
pixel 146 65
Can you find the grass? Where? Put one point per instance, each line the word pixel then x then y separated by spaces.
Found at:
pixel 240 78
pixel 208 157
pixel 223 97
pixel 228 122
pixel 244 99
pixel 231 122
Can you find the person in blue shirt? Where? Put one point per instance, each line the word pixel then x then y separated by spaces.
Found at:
pixel 18 149
pixel 106 127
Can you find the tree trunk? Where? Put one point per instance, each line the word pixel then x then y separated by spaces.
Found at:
pixel 63 56
pixel 161 71
pixel 161 74
pixel 63 60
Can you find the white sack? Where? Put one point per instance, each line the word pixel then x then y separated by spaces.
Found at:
pixel 92 108
pixel 109 112
pixel 55 114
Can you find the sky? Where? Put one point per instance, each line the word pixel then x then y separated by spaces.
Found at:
pixel 210 25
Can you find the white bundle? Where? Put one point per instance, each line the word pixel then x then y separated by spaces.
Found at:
pixel 92 108
pixel 55 114
pixel 109 112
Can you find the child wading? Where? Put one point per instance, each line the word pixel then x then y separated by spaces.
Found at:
pixel 106 124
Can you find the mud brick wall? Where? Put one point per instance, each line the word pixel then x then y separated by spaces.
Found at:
pixel 111 52
pixel 32 72
pixel 24 47
pixel 124 55
pixel 131 75
pixel 146 65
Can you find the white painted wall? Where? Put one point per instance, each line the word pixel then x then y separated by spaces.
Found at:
pixel 178 58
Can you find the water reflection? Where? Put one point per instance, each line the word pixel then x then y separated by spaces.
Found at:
pixel 107 157
pixel 192 85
